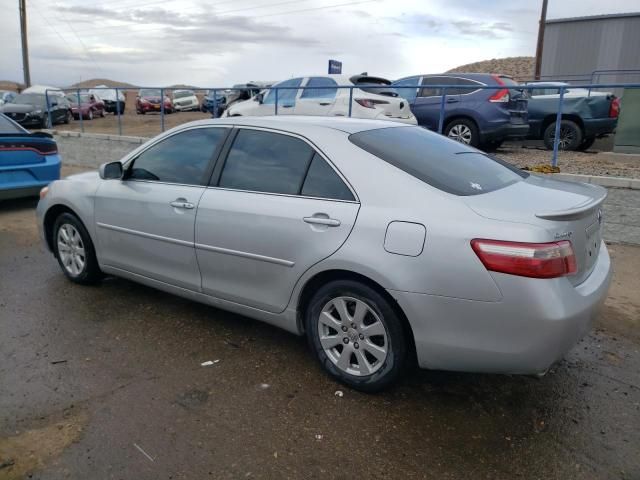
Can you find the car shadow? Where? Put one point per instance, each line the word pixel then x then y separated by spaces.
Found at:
pixel 17 204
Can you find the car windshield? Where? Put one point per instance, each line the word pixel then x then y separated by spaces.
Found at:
pixel 84 98
pixel 182 94
pixel 8 127
pixel 31 99
pixel 150 92
pixel 442 163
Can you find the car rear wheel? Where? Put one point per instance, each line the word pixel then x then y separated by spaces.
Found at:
pixel 356 335
pixel 67 117
pixel 570 135
pixel 74 250
pixel 102 113
pixel 463 130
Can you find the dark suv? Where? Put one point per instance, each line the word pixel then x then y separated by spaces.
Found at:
pixel 479 117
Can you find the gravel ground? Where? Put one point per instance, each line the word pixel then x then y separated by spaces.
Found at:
pixel 592 162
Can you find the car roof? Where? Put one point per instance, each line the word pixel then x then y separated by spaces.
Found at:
pixel 549 84
pixel 298 124
pixel 470 76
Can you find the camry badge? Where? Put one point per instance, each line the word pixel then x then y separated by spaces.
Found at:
pixel 560 235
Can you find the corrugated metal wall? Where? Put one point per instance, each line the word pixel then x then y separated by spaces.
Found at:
pixel 581 46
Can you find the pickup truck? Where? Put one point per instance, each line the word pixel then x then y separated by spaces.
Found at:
pixel 586 115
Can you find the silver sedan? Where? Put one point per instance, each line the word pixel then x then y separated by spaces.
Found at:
pixel 378 241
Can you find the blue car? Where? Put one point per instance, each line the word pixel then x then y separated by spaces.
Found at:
pixel 476 117
pixel 28 161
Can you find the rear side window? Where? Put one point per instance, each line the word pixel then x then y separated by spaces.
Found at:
pixel 442 163
pixel 266 162
pixel 323 182
pixel 181 158
pixel 315 88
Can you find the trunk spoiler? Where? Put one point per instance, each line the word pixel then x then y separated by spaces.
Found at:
pixel 579 210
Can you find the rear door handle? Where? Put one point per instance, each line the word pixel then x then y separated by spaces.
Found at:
pixel 324 104
pixel 452 100
pixel 182 203
pixel 330 222
pixel 286 106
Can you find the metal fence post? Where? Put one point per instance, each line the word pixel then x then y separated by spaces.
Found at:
pixel 118 112
pixel 276 109
pixel 80 110
pixel 214 112
pixel 350 100
pixel 49 119
pixel 441 117
pixel 556 138
pixel 162 109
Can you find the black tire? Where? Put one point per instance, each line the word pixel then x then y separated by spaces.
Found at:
pixel 491 146
pixel 67 117
pixel 570 135
pixel 102 113
pixel 460 128
pixel 587 143
pixel 386 372
pixel 90 272
pixel 44 123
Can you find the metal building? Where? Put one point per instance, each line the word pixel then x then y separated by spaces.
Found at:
pixel 575 48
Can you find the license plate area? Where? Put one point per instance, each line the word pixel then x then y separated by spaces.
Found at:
pixel 592 244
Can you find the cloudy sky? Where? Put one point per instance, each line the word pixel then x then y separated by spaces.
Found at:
pixel 220 42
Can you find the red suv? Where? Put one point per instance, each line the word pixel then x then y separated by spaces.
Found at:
pixel 148 100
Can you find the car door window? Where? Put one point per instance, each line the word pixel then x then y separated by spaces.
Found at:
pixel 460 90
pixel 323 182
pixel 268 162
pixel 285 97
pixel 428 89
pixel 320 88
pixel 408 92
pixel 181 158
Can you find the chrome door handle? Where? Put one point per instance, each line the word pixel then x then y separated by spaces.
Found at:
pixel 180 203
pixel 330 222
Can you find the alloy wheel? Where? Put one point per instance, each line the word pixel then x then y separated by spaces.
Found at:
pixel 567 137
pixel 353 336
pixel 71 249
pixel 460 133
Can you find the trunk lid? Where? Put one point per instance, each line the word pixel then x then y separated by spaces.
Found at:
pixel 568 210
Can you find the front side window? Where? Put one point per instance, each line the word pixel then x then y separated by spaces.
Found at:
pixel 181 158
pixel 320 88
pixel 285 97
pixel 428 90
pixel 434 159
pixel 268 162
pixel 408 92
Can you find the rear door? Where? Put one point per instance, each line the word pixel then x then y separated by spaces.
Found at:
pixel 319 98
pixel 145 222
pixel 426 107
pixel 275 208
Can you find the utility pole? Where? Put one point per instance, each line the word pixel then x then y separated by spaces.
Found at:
pixel 543 22
pixel 25 46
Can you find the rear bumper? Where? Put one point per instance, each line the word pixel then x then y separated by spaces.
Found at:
pixel 504 131
pixel 27 180
pixel 535 324
pixel 599 126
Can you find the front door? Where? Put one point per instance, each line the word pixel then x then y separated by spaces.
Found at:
pixel 145 222
pixel 286 98
pixel 319 98
pixel 276 208
pixel 427 105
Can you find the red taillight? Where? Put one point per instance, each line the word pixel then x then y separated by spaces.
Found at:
pixel 614 109
pixel 502 95
pixel 535 260
pixel 42 149
pixel 370 103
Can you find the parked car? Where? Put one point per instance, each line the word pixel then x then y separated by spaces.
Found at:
pixel 148 100
pixel 30 110
pixel 586 115
pixel 185 100
pixel 28 161
pixel 112 99
pixel 229 96
pixel 325 99
pixel 6 96
pixel 478 117
pixel 377 240
pixel 90 106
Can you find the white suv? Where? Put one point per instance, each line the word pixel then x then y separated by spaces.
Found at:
pixel 323 98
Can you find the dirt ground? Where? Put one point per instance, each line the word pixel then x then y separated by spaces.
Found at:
pixel 105 382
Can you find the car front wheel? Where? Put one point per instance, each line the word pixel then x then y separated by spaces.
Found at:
pixel 74 250
pixel 356 335
pixel 463 131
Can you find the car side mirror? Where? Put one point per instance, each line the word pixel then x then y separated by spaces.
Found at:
pixel 110 171
pixel 259 97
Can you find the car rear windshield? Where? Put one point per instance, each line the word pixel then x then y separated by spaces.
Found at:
pixel 442 163
pixel 372 84
pixel 182 94
pixel 149 93
pixel 8 127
